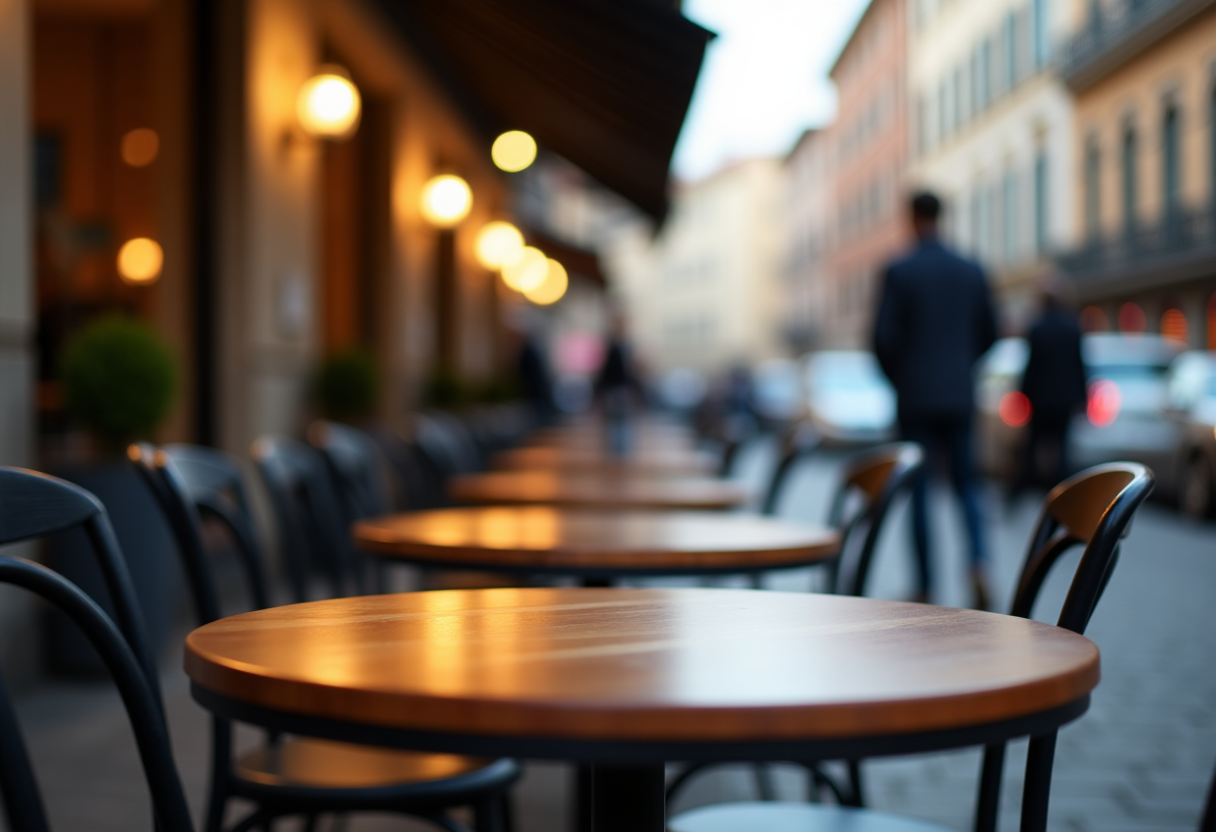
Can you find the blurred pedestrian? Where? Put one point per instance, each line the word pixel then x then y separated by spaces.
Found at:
pixel 935 319
pixel 535 380
pixel 1054 383
pixel 615 385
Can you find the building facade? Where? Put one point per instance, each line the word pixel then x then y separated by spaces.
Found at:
pixel 869 161
pixel 1144 77
pixel 809 208
pixel 994 135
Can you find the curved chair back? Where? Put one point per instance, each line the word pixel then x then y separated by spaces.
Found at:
pixel 356 466
pixel 861 504
pixel 23 804
pixel 34 505
pixel 796 443
pixel 1093 508
pixel 1208 822
pixel 312 531
pixel 417 477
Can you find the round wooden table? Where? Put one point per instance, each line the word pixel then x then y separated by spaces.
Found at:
pixel 629 679
pixel 606 491
pixel 665 462
pixel 595 544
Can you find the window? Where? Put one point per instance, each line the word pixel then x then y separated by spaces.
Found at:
pixel 1171 162
pixel 1129 180
pixel 1212 147
pixel 1009 215
pixel 985 79
pixel 1093 221
pixel 943 111
pixel 1040 202
pixel 1038 37
pixel 957 101
pixel 977 220
pixel 1009 36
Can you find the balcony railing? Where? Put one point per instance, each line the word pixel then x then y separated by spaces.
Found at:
pixel 1123 26
pixel 1173 246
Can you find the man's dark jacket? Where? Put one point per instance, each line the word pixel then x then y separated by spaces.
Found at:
pixel 935 318
pixel 1054 379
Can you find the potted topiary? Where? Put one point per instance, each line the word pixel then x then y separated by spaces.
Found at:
pixel 118 379
pixel 346 386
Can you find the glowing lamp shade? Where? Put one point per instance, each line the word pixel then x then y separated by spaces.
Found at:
pixel 328 106
pixel 513 151
pixel 446 200
pixel 528 272
pixel 499 244
pixel 552 288
pixel 140 261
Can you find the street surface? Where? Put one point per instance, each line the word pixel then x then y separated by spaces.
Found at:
pixel 1139 761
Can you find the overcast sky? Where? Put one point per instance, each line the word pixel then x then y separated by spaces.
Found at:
pixel 764 79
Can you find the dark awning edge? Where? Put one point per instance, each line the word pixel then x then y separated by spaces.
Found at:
pixel 604 83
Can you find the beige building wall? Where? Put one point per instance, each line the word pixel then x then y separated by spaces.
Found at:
pixel 809 187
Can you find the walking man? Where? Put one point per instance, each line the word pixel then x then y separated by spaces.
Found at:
pixel 935 318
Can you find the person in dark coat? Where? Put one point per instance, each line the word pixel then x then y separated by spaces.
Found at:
pixel 935 319
pixel 1054 382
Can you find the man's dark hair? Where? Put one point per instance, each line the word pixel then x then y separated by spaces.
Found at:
pixel 926 206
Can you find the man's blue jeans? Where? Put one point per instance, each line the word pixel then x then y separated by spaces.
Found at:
pixel 948 444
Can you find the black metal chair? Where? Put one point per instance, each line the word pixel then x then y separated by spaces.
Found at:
pixel 34 505
pixel 355 464
pixel 1094 509
pixel 858 511
pixel 297 775
pixel 795 444
pixel 1208 822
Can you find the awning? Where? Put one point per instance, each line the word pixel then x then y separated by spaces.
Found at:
pixel 604 83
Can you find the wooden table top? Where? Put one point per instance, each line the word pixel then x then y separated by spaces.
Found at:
pixel 575 541
pixel 609 491
pixel 666 461
pixel 642 665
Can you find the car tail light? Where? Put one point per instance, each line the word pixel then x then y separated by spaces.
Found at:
pixel 1104 402
pixel 1014 409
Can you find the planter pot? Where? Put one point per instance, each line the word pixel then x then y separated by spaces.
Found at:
pixel 147 545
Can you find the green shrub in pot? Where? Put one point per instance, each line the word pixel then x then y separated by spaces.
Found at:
pixel 119 379
pixel 346 385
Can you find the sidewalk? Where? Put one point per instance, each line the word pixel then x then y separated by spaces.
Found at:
pixel 1138 761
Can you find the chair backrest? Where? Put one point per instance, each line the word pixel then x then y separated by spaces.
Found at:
pixel 861 504
pixel 795 443
pixel 1208 822
pixel 417 477
pixel 34 505
pixel 23 806
pixel 312 531
pixel 356 465
pixel 1093 508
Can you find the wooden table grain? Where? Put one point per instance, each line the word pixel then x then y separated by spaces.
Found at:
pixel 607 491
pixel 544 539
pixel 628 679
pixel 665 462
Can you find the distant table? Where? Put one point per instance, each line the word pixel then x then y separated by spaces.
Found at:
pixel 664 462
pixel 607 491
pixel 642 437
pixel 595 544
pixel 630 679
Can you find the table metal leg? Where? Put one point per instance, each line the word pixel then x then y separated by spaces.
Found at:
pixel 582 798
pixel 628 799
pixel 1037 789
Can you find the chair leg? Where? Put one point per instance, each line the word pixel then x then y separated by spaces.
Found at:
pixel 686 774
pixel 857 795
pixel 487 815
pixel 260 817
pixel 765 786
pixel 1040 757
pixel 217 792
pixel 507 807
pixel 990 788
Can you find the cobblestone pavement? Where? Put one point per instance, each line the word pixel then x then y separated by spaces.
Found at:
pixel 1139 760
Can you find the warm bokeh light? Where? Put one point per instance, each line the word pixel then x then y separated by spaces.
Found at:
pixel 140 146
pixel 1104 402
pixel 552 288
pixel 528 272
pixel 446 200
pixel 1211 316
pixel 1014 409
pixel 140 261
pixel 1132 319
pixel 1093 319
pixel 499 244
pixel 1173 325
pixel 513 151
pixel 328 105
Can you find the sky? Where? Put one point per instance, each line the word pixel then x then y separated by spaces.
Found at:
pixel 764 79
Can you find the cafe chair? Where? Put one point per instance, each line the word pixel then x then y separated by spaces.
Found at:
pixel 355 464
pixel 313 536
pixel 299 775
pixel 1208 822
pixel 795 444
pixel 1092 509
pixel 24 810
pixel 858 511
pixel 35 505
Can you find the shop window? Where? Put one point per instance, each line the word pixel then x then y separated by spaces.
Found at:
pixel 1173 325
pixel 1132 319
pixel 1093 319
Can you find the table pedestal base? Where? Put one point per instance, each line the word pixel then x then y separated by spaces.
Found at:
pixel 621 798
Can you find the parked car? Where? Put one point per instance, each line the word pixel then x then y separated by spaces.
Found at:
pixel 849 400
pixel 1125 416
pixel 1189 474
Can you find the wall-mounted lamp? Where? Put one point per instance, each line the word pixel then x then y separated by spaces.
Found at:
pixel 140 261
pixel 446 200
pixel 528 272
pixel 513 151
pixel 328 105
pixel 552 288
pixel 499 244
